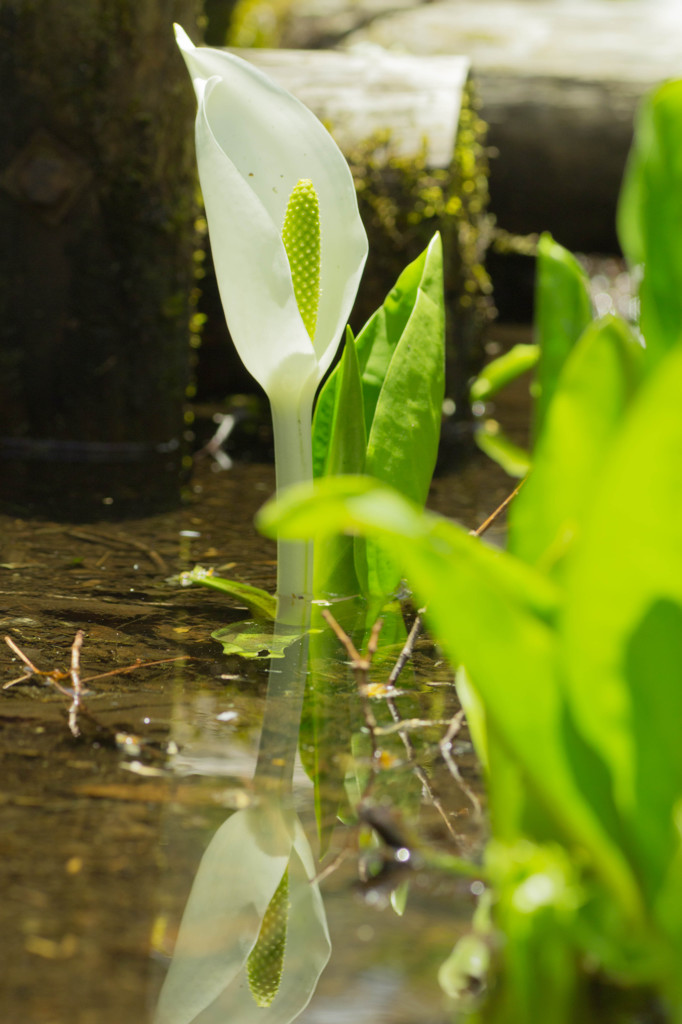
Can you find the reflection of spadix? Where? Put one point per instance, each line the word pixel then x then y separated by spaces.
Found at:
pixel 239 873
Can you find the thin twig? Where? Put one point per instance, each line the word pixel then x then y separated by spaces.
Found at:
pixel 480 530
pixel 76 692
pixel 32 670
pixel 134 667
pixel 120 541
pixel 351 649
pixel 408 649
pixel 418 770
pixel 333 864
pixel 410 725
pixel 360 668
pixel 445 749
pixel 74 672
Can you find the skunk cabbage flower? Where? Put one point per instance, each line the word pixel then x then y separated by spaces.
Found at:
pixel 253 939
pixel 288 247
pixel 255 142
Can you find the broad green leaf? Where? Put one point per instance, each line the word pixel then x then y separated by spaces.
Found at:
pixel 563 310
pixel 628 561
pixel 539 893
pixel 650 217
pixel 669 902
pixel 492 440
pixel 493 614
pixel 375 346
pixel 591 397
pixel 258 601
pixel 249 639
pixel 503 370
pixel 653 671
pixel 334 557
pixel 348 439
pixel 379 338
pixel 403 440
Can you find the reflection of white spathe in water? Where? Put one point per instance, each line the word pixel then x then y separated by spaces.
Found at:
pixel 238 875
pixel 240 872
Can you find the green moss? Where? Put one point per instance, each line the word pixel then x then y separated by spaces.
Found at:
pixel 402 202
pixel 259 22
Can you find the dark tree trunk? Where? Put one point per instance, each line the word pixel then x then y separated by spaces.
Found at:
pixel 97 201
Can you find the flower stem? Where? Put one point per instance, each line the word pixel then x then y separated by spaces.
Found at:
pixel 293 465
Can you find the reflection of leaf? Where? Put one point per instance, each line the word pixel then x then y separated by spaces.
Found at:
pixel 330 707
pixel 250 640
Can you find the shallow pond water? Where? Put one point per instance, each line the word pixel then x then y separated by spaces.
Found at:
pixel 102 833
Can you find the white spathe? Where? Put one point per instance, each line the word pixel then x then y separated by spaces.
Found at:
pixel 254 142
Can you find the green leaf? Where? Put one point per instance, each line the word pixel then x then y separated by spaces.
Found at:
pixel 492 440
pixel 379 338
pixel 348 439
pixel 563 310
pixel 399 897
pixel 650 217
pixel 503 370
pixel 375 346
pixel 249 639
pixel 334 557
pixel 258 601
pixel 539 893
pixel 591 398
pixel 403 440
pixel 628 561
pixel 653 670
pixel 401 361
